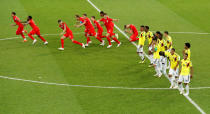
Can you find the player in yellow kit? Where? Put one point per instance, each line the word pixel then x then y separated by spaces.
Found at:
pixel 140 50
pixel 156 57
pixel 163 60
pixel 187 50
pixel 149 37
pixel 168 44
pixel 186 73
pixel 174 68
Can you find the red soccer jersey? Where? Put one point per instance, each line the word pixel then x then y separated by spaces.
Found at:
pixel 88 24
pixel 110 24
pixel 81 20
pixel 133 28
pixel 63 25
pixel 97 25
pixel 104 21
pixel 17 21
pixel 32 24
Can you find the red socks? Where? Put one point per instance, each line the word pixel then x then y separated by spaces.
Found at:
pixel 22 35
pixel 115 39
pixel 99 39
pixel 42 38
pixel 109 40
pixel 62 43
pixel 31 36
pixel 76 42
pixel 88 40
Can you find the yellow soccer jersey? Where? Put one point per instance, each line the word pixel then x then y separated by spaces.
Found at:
pixel 142 38
pixel 174 60
pixel 149 36
pixel 186 65
pixel 162 44
pixel 188 52
pixel 168 42
pixel 156 52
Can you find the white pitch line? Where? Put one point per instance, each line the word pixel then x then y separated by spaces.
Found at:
pixel 87 86
pixel 188 98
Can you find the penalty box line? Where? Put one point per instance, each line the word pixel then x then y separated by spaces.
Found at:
pixel 187 97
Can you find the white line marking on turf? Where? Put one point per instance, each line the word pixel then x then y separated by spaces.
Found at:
pixel 188 98
pixel 86 86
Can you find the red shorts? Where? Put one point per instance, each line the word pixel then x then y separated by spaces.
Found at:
pixel 91 32
pixel 110 30
pixel 35 31
pixel 69 35
pixel 19 30
pixel 134 37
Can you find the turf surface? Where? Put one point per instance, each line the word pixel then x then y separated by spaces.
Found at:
pixel 98 66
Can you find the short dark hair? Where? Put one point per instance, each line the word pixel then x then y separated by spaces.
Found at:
pixel 147 27
pixel 173 49
pixel 166 32
pixel 188 45
pixel 158 32
pixel 93 17
pixel 77 16
pixel 125 26
pixel 101 12
pixel 59 20
pixel 186 54
pixel 162 53
pixel 155 39
pixel 142 26
pixel 105 13
pixel 13 13
pixel 85 14
pixel 29 17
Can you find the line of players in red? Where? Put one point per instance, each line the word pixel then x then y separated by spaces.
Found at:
pixel 67 33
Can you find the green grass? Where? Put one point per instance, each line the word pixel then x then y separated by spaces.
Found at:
pixel 98 66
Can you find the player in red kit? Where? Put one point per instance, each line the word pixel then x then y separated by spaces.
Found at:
pixel 20 29
pixel 67 33
pixel 35 30
pixel 108 22
pixel 100 30
pixel 89 29
pixel 129 28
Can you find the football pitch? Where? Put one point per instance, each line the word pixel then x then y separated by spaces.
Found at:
pixel 39 79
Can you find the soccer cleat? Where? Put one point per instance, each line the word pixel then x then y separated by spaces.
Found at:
pixel 61 49
pixel 86 45
pixel 112 41
pixel 150 65
pixel 155 74
pixel 45 43
pixel 24 40
pixel 171 86
pixel 118 45
pixel 102 43
pixel 109 46
pixel 117 36
pixel 34 41
pixel 89 42
pixel 142 61
pixel 83 45
pixel 160 75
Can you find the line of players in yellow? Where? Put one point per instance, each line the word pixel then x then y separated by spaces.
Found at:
pixel 160 51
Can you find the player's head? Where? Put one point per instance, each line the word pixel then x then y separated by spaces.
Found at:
pixel 126 26
pixel 185 56
pixel 59 21
pixel 187 45
pixel 166 33
pixel 93 18
pixel 157 33
pixel 102 13
pixel 77 17
pixel 84 15
pixel 173 51
pixel 161 53
pixel 105 15
pixel 29 18
pixel 160 36
pixel 146 28
pixel 142 28
pixel 154 40
pixel 13 13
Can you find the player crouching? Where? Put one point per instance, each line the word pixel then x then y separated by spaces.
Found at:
pixel 67 33
pixel 131 29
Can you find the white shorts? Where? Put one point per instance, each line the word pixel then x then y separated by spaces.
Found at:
pixel 185 79
pixel 156 61
pixel 150 48
pixel 140 49
pixel 172 72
